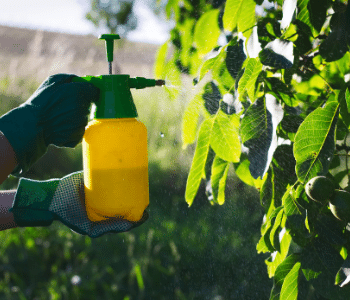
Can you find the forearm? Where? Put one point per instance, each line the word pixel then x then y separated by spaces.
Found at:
pixel 8 162
pixel 6 217
pixel 8 159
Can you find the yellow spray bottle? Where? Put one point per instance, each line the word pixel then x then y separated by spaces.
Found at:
pixel 115 148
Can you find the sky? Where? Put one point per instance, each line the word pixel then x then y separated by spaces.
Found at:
pixel 68 16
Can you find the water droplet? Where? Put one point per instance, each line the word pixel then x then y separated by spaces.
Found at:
pixel 161 134
pixel 76 280
pixel 114 287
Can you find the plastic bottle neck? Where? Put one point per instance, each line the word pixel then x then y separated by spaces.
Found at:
pixel 115 98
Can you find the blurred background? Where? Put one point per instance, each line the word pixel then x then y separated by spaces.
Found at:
pixel 201 252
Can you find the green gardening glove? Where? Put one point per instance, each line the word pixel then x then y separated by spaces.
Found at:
pixel 39 203
pixel 56 113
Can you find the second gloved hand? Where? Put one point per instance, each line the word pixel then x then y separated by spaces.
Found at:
pixel 39 203
pixel 56 113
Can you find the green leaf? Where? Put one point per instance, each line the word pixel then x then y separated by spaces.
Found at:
pixel 270 29
pixel 235 58
pixel 330 231
pixel 318 12
pixel 212 62
pixel 212 97
pixel 315 142
pixel 246 19
pixel 335 45
pixel 289 289
pixel 344 105
pixel 233 9
pixel 255 121
pixel 190 120
pixel 283 164
pixel 289 202
pixel 284 268
pixel 172 6
pixel 186 40
pixel 208 64
pixel 248 80
pixel 280 174
pixel 291 34
pixel 270 218
pixel 274 261
pixel 258 133
pixel 273 236
pixel 159 67
pixel 280 90
pixel 320 263
pixel 199 159
pixel 207 32
pixel 264 245
pixel 224 138
pixel 296 224
pixel 344 273
pixel 281 272
pixel 343 64
pixel 267 192
pixel 218 179
pixel 303 13
pixel 173 77
pixel 320 257
pixel 347 97
pixel 278 54
pixel 291 123
pixel 243 174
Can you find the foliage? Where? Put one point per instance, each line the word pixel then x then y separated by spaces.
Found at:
pixel 116 15
pixel 273 100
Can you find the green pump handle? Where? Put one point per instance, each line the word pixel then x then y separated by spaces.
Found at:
pixel 109 38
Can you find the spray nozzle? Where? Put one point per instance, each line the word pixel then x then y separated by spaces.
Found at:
pixel 141 82
pixel 160 82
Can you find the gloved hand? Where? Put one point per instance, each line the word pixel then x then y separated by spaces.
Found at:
pixel 39 203
pixel 56 113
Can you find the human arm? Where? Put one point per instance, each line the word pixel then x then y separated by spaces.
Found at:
pixel 55 114
pixel 8 162
pixel 6 218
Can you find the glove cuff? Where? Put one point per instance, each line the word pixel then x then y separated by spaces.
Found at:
pixel 26 138
pixel 32 201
